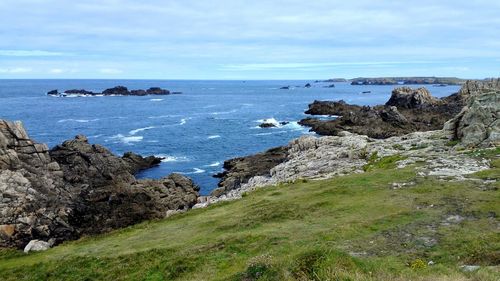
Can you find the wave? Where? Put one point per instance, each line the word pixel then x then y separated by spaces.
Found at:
pixel 133 132
pixel 78 120
pixel 170 158
pixel 223 112
pixel 213 137
pixel 215 164
pixel 164 116
pixel 195 171
pixel 127 139
pixel 184 120
pixel 270 133
pixel 156 99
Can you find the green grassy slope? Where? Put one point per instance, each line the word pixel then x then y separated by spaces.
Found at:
pixel 355 227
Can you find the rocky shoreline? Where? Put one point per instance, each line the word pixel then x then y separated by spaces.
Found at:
pixel 76 189
pixel 115 91
pixel 469 118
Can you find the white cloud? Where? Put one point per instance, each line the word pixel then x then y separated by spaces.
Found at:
pixel 110 71
pixel 56 71
pixel 15 70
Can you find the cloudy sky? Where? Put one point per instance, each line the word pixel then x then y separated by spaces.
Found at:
pixel 236 39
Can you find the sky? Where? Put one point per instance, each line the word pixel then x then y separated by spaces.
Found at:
pixel 236 39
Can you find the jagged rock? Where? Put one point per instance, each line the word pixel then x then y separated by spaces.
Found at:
pixel 77 188
pixel 38 245
pixel 116 91
pixel 411 111
pixel 478 123
pixel 406 97
pixel 157 91
pixel 239 170
pixel 308 85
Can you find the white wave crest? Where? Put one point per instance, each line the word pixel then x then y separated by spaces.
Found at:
pixel 215 164
pixel 156 99
pixel 126 139
pixel 171 158
pixel 133 132
pixel 78 120
pixel 213 137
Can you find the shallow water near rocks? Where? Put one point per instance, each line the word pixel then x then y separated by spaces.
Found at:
pixel 211 121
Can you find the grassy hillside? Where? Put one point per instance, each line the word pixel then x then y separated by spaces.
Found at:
pixel 357 227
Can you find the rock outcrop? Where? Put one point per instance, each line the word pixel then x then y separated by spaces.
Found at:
pixel 239 170
pixel 478 124
pixel 115 91
pixel 406 97
pixel 77 188
pixel 408 110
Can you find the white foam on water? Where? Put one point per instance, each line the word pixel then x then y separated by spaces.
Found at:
pixel 78 120
pixel 163 116
pixel 156 99
pixel 213 137
pixel 215 164
pixel 195 171
pixel 127 139
pixel 223 112
pixel 171 158
pixel 135 131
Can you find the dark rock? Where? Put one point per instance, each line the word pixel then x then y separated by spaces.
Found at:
pixel 406 97
pixel 414 110
pixel 53 93
pixel 308 85
pixel 116 91
pixel 157 91
pixel 138 93
pixel 79 92
pixel 77 188
pixel 239 170
pixel 267 125
pixel 330 86
pixel 285 88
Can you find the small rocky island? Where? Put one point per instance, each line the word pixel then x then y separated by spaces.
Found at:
pixel 115 91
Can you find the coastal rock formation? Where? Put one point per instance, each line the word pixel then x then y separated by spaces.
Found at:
pixel 407 81
pixel 406 111
pixel 115 91
pixel 239 170
pixel 479 122
pixel 77 188
pixel 310 157
pixel 406 97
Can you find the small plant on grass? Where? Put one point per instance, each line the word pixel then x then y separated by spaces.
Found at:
pixel 259 268
pixel 418 264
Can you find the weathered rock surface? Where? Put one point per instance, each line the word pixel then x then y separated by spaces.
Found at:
pixel 310 157
pixel 239 170
pixel 77 188
pixel 406 97
pixel 479 122
pixel 115 91
pixel 38 245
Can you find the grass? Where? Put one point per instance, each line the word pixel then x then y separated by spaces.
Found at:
pixel 353 227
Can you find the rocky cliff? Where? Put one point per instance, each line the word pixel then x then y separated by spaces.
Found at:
pixel 77 188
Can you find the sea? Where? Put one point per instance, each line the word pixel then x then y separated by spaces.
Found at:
pixel 195 132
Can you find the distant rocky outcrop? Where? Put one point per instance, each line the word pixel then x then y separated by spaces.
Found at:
pixel 407 81
pixel 77 188
pixel 115 91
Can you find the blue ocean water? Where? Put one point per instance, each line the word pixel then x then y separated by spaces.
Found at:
pixel 196 131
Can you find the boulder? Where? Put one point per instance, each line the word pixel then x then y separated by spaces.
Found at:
pixel 38 245
pixel 406 97
pixel 478 123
